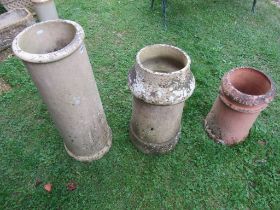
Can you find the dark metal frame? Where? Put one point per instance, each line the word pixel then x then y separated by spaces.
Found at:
pixel 164 5
pixel 254 5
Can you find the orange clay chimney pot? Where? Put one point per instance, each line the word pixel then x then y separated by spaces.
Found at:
pixel 244 93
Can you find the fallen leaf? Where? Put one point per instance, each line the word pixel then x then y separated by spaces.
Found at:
pixel 262 142
pixel 38 182
pixel 48 187
pixel 71 186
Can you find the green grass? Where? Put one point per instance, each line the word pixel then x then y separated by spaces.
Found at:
pixel 218 35
pixel 2 9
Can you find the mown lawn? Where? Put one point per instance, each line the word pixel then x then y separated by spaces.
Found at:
pixel 218 35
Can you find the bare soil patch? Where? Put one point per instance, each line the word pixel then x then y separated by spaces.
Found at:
pixel 4 87
pixel 5 54
pixel 277 2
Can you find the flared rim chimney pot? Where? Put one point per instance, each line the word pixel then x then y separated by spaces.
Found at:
pixel 55 55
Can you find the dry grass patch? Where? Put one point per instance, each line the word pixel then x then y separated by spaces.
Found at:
pixel 5 54
pixel 4 87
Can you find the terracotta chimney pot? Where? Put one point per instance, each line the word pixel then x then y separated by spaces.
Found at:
pixel 244 93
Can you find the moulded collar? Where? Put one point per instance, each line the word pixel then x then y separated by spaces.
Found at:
pixel 158 87
pixel 234 94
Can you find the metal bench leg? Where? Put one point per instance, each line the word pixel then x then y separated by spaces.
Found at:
pixel 254 5
pixel 164 3
pixel 152 4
